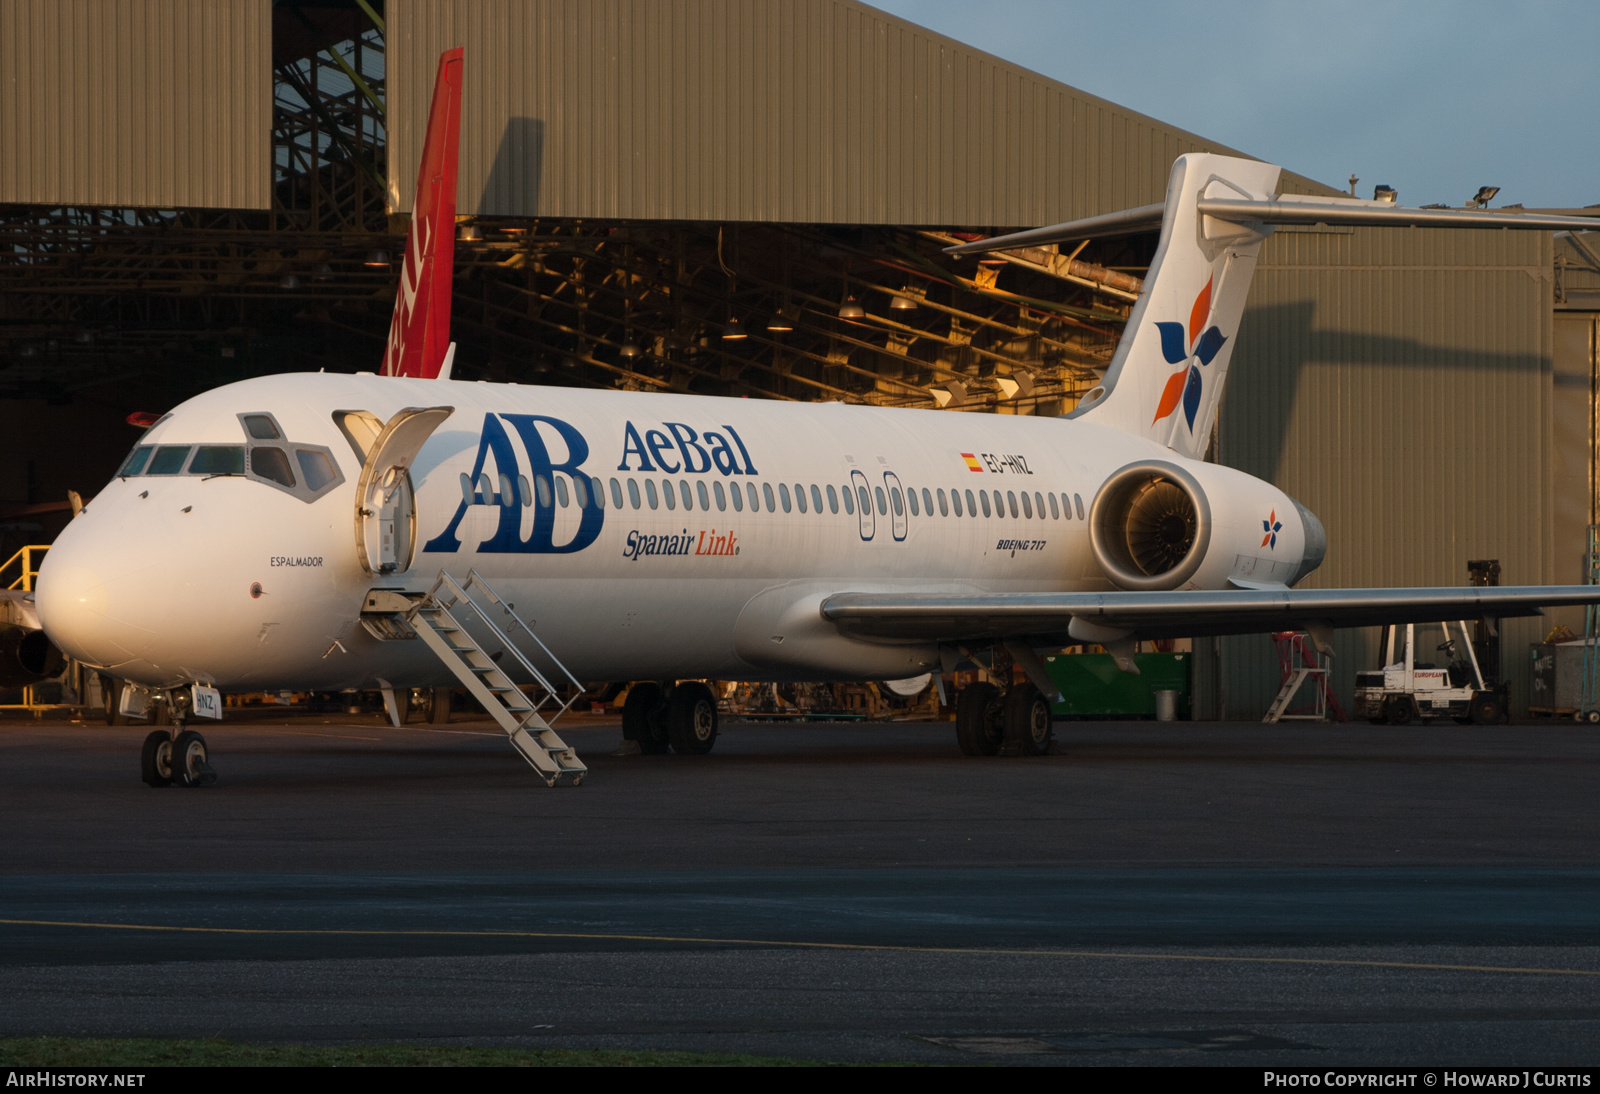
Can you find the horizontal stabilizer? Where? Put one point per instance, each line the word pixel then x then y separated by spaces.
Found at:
pixel 1180 614
pixel 1286 209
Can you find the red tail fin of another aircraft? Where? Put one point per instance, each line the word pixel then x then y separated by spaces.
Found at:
pixel 419 334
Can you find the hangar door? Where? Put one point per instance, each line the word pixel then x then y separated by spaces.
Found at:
pixel 1576 443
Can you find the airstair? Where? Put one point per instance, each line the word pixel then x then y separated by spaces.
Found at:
pixel 1298 664
pixel 440 617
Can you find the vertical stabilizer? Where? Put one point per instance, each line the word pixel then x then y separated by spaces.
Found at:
pixel 1166 379
pixel 419 333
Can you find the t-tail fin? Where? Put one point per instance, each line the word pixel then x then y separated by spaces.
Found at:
pixel 419 333
pixel 1166 379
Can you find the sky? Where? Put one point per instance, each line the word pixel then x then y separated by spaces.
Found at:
pixel 1434 98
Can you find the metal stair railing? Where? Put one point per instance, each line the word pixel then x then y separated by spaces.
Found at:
pixel 523 720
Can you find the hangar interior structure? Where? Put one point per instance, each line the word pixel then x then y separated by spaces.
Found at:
pixel 743 199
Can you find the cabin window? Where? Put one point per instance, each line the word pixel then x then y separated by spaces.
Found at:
pixel 217 459
pixel 261 427
pixel 633 494
pixel 865 498
pixel 1066 503
pixel 507 497
pixel 561 490
pixel 1011 497
pixel 722 497
pixel 738 497
pixel 972 504
pixel 755 502
pixel 955 501
pixel 983 496
pixel 944 505
pixel 1038 503
pixel 927 501
pixel 911 500
pixel 268 463
pixel 616 496
pixel 541 489
pixel 816 498
pixel 597 491
pixel 650 493
pixel 668 494
pixel 705 498
pixel 849 500
pixel 896 503
pixel 772 504
pixel 1027 505
pixel 833 501
pixel 136 459
pixel 316 469
pixel 688 498
pixel 580 491
pixel 1079 499
pixel 783 496
pixel 1055 510
pixel 169 459
pixel 800 497
pixel 883 509
pixel 466 489
pixel 524 490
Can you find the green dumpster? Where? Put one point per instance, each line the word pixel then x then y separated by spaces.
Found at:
pixel 1092 686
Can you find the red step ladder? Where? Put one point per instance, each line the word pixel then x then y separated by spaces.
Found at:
pixel 1298 662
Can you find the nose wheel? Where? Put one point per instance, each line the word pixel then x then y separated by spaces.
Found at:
pixel 177 756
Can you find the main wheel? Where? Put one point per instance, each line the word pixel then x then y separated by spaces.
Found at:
pixel 439 707
pixel 155 759
pixel 1485 708
pixel 977 729
pixel 1027 720
pixel 692 719
pixel 1398 710
pixel 189 766
pixel 644 718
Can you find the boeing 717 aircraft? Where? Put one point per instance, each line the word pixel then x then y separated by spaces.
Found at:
pixel 332 531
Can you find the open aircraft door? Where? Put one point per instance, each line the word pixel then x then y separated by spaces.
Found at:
pixel 386 524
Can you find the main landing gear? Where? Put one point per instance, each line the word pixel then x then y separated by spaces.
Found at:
pixel 1016 722
pixel 681 717
pixel 175 756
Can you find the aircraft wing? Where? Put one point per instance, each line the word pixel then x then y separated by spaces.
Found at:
pixel 1045 617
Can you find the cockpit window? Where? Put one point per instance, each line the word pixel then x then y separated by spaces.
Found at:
pixel 216 459
pixel 137 459
pixel 169 459
pixel 271 464
pixel 315 468
pixel 261 427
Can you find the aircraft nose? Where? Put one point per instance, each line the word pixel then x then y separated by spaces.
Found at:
pixel 72 600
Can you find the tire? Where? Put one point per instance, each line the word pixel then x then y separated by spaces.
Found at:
pixel 1592 717
pixel 644 719
pixel 439 707
pixel 111 691
pixel 189 766
pixel 1398 710
pixel 692 719
pixel 1485 708
pixel 976 730
pixel 1027 720
pixel 155 759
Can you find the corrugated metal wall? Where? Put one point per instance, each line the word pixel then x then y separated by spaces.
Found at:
pixel 814 111
pixel 1398 382
pixel 161 103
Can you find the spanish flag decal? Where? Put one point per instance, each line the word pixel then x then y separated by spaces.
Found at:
pixel 972 462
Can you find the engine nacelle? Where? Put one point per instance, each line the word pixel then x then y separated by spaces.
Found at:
pixel 26 656
pixel 1162 525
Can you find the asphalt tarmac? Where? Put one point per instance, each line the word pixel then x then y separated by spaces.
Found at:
pixel 1155 894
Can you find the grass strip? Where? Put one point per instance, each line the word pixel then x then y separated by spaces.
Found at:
pixel 122 1052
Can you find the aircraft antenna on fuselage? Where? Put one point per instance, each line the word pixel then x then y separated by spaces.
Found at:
pixel 419 333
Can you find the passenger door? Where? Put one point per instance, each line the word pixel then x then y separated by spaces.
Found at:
pixel 386 524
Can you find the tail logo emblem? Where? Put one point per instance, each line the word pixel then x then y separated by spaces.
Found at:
pixel 1180 347
pixel 1271 526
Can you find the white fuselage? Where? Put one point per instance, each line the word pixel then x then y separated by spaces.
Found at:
pixel 167 579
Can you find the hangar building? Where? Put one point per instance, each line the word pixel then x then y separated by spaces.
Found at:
pixel 684 196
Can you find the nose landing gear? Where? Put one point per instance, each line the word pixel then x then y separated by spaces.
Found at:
pixel 176 756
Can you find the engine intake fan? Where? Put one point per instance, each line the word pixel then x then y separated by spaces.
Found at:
pixel 26 657
pixel 1150 526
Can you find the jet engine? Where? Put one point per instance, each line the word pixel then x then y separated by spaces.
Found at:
pixel 1158 525
pixel 26 656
